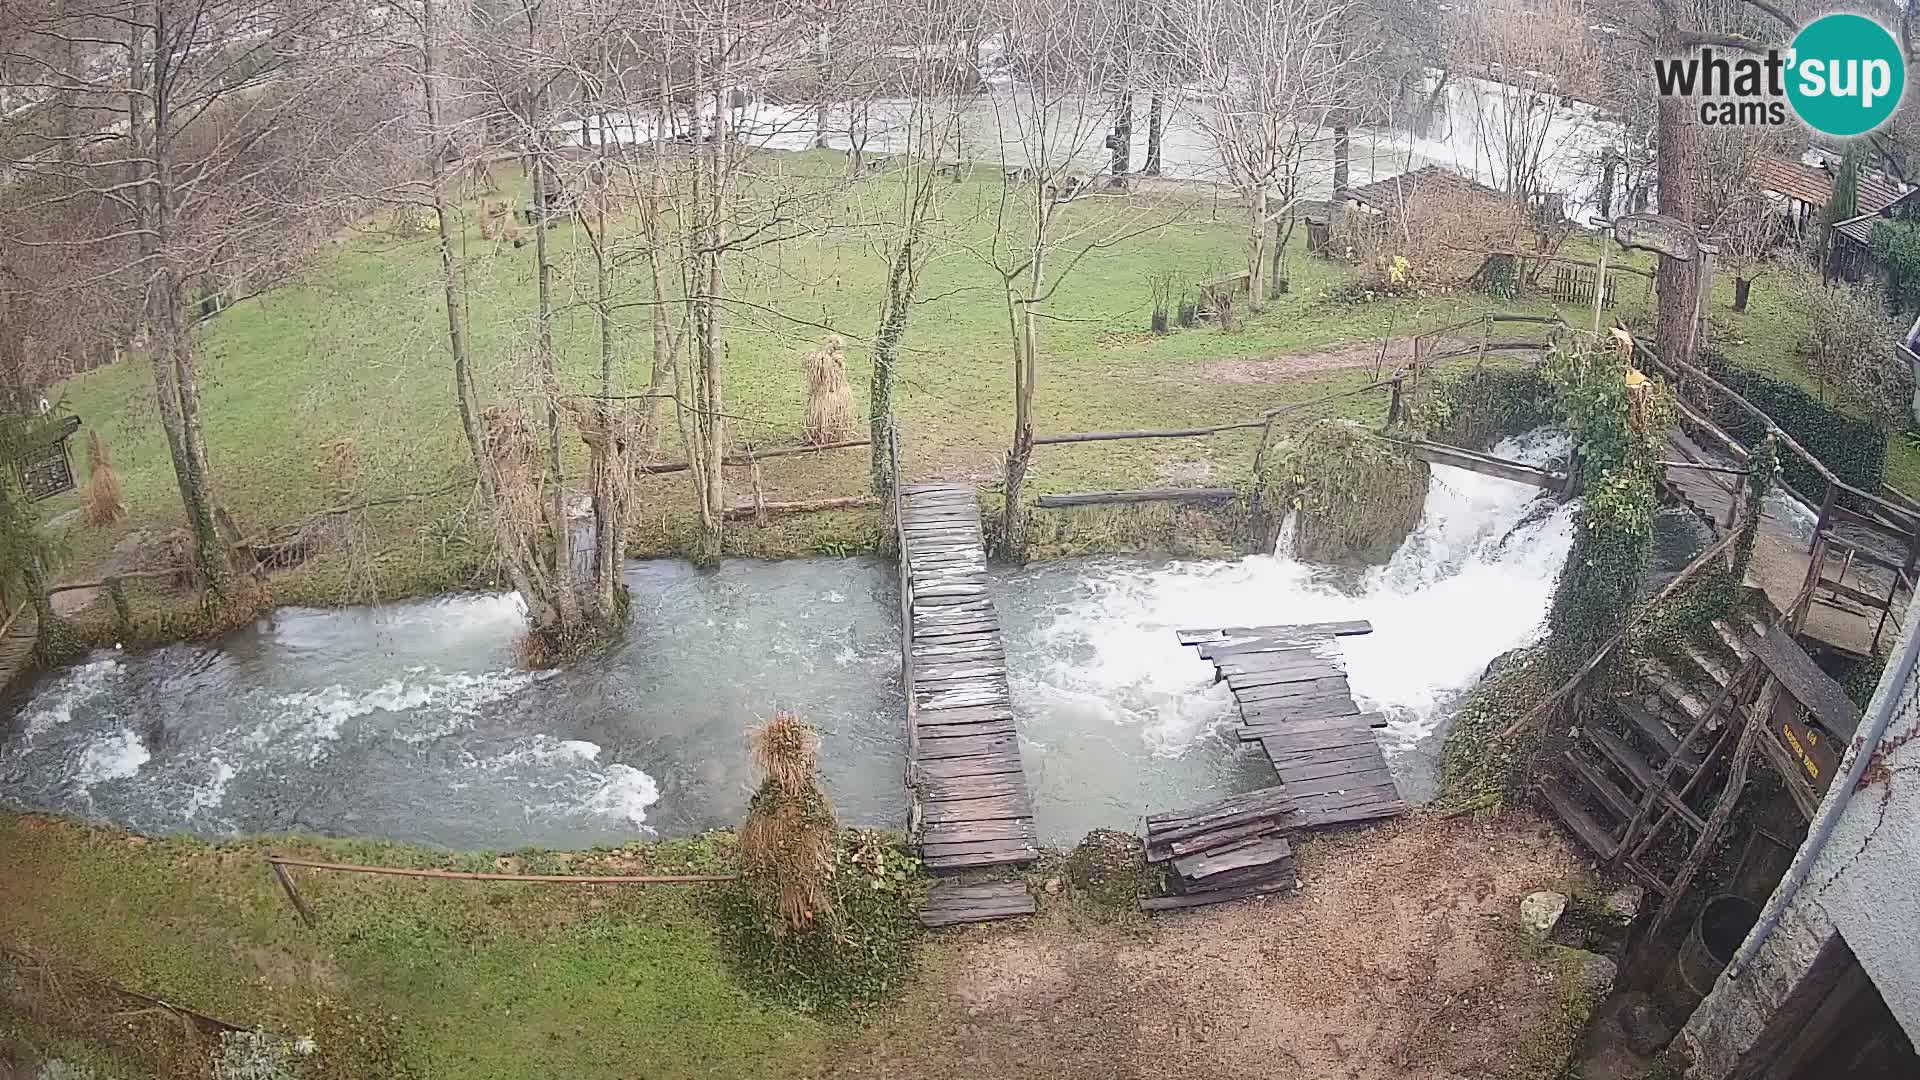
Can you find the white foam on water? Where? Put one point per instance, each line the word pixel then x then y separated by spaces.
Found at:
pixel 211 794
pixel 76 687
pixel 1473 580
pixel 568 775
pixel 625 793
pixel 446 703
pixel 110 757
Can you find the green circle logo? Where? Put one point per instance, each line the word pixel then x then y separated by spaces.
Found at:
pixel 1846 75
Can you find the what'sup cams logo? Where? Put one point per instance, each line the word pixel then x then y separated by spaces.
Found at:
pixel 1843 76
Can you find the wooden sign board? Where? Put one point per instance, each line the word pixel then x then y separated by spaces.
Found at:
pixel 1654 232
pixel 1810 747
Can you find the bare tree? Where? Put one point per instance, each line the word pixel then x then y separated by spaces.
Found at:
pixel 191 155
pixel 1271 75
pixel 1068 62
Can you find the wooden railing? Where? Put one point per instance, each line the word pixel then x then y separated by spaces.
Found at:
pixel 912 776
pixel 1892 515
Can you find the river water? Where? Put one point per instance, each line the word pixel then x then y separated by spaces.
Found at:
pixel 411 722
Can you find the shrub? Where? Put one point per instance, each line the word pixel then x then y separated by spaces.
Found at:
pixel 1849 346
pixel 1853 448
pixel 1478 407
pixel 1357 495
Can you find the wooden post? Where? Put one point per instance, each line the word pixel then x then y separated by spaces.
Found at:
pixel 1826 511
pixel 1393 405
pixel 759 494
pixel 1256 505
pixel 122 610
pixel 1722 810
pixel 293 894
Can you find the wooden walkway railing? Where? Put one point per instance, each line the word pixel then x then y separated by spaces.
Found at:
pixel 17 637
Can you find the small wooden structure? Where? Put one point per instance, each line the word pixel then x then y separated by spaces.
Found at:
pixel 46 469
pixel 970 806
pixel 1227 850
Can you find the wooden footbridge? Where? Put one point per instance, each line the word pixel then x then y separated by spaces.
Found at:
pixel 970 806
pixel 1290 683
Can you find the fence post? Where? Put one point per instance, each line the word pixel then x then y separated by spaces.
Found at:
pixel 293 894
pixel 1826 511
pixel 1393 405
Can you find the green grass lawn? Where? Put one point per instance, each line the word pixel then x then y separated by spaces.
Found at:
pixel 401 977
pixel 356 350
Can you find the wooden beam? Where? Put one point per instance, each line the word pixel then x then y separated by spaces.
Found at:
pixel 1440 454
pixel 1106 498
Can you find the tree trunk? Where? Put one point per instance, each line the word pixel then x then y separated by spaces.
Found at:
pixel 170 337
pixel 564 597
pixel 1741 288
pixel 1674 279
pixel 521 573
pixel 886 355
pixel 1282 234
pixel 1023 322
pixel 606 451
pixel 1155 130
pixel 1120 141
pixel 1342 160
pixel 821 45
pixel 1257 250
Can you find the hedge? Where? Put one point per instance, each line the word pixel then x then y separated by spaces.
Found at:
pixel 1854 449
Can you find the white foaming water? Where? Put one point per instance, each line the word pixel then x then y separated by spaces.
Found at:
pixel 568 770
pixel 1473 580
pixel 110 757
pixel 318 715
pixel 210 795
pixel 76 687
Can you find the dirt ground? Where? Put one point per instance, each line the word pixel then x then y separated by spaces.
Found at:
pixel 1400 957
pixel 1358 354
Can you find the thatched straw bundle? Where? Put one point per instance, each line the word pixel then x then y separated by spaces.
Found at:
pixel 830 417
pixel 786 845
pixel 104 506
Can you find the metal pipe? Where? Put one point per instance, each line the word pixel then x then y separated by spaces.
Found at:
pixel 1888 699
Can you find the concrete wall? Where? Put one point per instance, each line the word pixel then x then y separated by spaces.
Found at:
pixel 1865 885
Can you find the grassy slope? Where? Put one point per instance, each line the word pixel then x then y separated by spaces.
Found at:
pixel 356 350
pixel 440 979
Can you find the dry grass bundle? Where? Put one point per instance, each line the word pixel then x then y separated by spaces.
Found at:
pixel 104 505
pixel 830 417
pixel 787 843
pixel 1356 496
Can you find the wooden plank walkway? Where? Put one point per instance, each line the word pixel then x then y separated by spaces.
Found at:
pixel 971 807
pixel 1781 557
pixel 1291 685
pixel 950 903
pixel 18 632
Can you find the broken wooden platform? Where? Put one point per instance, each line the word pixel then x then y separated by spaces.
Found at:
pixel 951 903
pixel 1227 850
pixel 1291 685
pixel 971 807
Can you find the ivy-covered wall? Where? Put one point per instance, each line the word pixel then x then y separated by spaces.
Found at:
pixel 1854 449
pixel 1477 407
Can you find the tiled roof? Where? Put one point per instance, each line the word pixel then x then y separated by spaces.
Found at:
pixel 1813 185
pixel 1860 227
pixel 1426 180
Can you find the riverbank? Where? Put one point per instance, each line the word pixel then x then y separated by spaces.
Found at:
pixel 1400 956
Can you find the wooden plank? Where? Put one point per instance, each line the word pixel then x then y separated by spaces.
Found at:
pixel 1324 629
pixel 1255 851
pixel 1293 775
pixel 1176 848
pixel 975 787
pixel 955 768
pixel 1297 674
pixel 967 715
pixel 958 848
pixel 937 918
pixel 989 808
pixel 1287 743
pixel 1020 829
pixel 1214 896
pixel 978 727
pixel 969 746
pixel 1374 778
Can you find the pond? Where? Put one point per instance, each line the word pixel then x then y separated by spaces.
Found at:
pixel 411 721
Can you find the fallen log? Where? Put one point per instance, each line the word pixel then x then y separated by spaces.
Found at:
pixel 749 457
pixel 848 502
pixel 1103 498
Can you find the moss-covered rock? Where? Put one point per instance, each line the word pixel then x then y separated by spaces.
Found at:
pixel 1355 495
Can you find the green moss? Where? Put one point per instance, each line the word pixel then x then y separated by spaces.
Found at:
pixel 1478 406
pixel 1355 494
